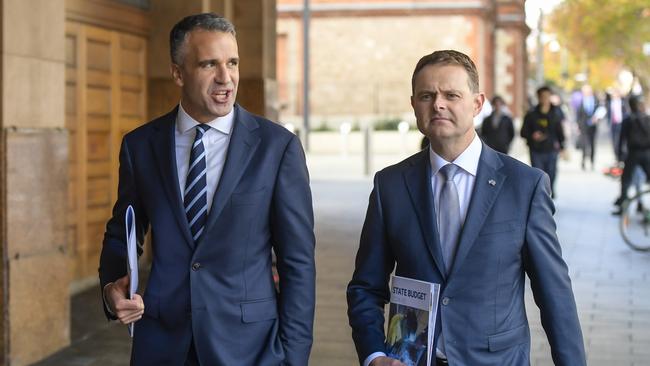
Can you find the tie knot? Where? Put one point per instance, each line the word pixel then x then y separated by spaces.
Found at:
pixel 449 171
pixel 200 130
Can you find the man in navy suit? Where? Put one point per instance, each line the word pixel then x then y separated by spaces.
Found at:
pixel 471 219
pixel 219 188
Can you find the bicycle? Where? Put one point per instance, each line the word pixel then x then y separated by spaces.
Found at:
pixel 635 221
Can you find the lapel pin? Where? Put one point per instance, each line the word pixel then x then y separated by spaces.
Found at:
pixel 492 182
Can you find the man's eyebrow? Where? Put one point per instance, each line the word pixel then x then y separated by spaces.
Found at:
pixel 207 61
pixel 214 60
pixel 425 91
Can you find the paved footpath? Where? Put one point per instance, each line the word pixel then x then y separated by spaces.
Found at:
pixel 611 282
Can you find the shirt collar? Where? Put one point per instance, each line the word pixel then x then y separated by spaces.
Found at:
pixel 184 122
pixel 467 160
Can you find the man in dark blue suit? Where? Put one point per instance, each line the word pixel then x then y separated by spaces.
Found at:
pixel 471 219
pixel 219 188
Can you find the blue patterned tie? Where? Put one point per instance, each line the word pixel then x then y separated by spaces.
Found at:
pixel 196 201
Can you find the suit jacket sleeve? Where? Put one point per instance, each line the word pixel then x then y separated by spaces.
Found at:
pixel 368 291
pixel 560 128
pixel 293 239
pixel 549 280
pixel 112 263
pixel 526 132
pixel 510 128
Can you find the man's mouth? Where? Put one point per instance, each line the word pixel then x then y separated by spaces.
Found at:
pixel 221 96
pixel 439 119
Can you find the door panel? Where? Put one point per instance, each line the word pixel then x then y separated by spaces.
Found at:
pixel 105 98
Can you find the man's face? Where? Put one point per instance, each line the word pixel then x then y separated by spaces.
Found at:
pixel 443 103
pixel 208 74
pixel 545 98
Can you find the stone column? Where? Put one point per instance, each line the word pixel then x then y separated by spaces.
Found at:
pixel 163 93
pixel 33 180
pixel 510 54
pixel 255 21
pixel 255 24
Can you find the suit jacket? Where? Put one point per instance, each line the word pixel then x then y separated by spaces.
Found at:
pixel 499 137
pixel 584 116
pixel 219 292
pixel 509 231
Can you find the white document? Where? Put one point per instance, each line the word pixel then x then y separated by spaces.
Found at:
pixel 132 256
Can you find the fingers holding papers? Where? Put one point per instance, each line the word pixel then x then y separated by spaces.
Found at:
pixel 126 310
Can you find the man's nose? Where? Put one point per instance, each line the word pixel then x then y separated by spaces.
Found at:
pixel 438 103
pixel 221 74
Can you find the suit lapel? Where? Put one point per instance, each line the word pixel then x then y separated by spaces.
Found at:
pixel 489 182
pixel 164 148
pixel 243 143
pixel 418 182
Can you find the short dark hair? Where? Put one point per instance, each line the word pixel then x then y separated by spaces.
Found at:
pixel 497 99
pixel 448 57
pixel 204 21
pixel 636 104
pixel 543 89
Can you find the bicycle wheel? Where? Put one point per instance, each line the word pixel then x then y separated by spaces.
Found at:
pixel 635 222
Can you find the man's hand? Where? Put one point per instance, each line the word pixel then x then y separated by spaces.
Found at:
pixel 385 361
pixel 564 154
pixel 539 136
pixel 126 310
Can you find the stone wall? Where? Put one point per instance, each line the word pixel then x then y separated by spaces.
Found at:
pixel 35 270
pixel 363 66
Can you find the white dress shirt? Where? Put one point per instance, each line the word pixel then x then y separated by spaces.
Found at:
pixel 465 177
pixel 616 107
pixel 215 142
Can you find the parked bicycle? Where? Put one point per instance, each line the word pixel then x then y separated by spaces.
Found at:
pixel 635 221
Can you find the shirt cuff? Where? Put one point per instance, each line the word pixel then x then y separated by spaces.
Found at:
pixel 372 356
pixel 108 308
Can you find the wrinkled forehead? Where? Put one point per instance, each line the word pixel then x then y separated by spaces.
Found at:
pixel 442 77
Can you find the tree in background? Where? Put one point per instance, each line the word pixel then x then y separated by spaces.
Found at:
pixel 606 31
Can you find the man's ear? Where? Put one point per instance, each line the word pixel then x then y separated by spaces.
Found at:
pixel 479 99
pixel 413 102
pixel 176 74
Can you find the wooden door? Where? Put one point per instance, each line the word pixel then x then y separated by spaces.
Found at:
pixel 105 98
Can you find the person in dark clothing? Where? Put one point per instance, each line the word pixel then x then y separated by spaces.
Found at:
pixel 542 129
pixel 497 130
pixel 635 136
pixel 588 125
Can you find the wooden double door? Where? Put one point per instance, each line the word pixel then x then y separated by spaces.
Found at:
pixel 106 96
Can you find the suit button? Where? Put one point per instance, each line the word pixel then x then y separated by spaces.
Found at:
pixel 196 266
pixel 445 301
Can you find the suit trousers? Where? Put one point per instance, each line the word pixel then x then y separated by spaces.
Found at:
pixel 635 158
pixel 546 161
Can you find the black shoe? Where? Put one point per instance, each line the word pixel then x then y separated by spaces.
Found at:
pixel 619 201
pixel 639 208
pixel 617 212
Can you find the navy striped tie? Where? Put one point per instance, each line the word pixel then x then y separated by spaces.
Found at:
pixel 196 187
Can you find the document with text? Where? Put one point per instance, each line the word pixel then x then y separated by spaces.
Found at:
pixel 412 320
